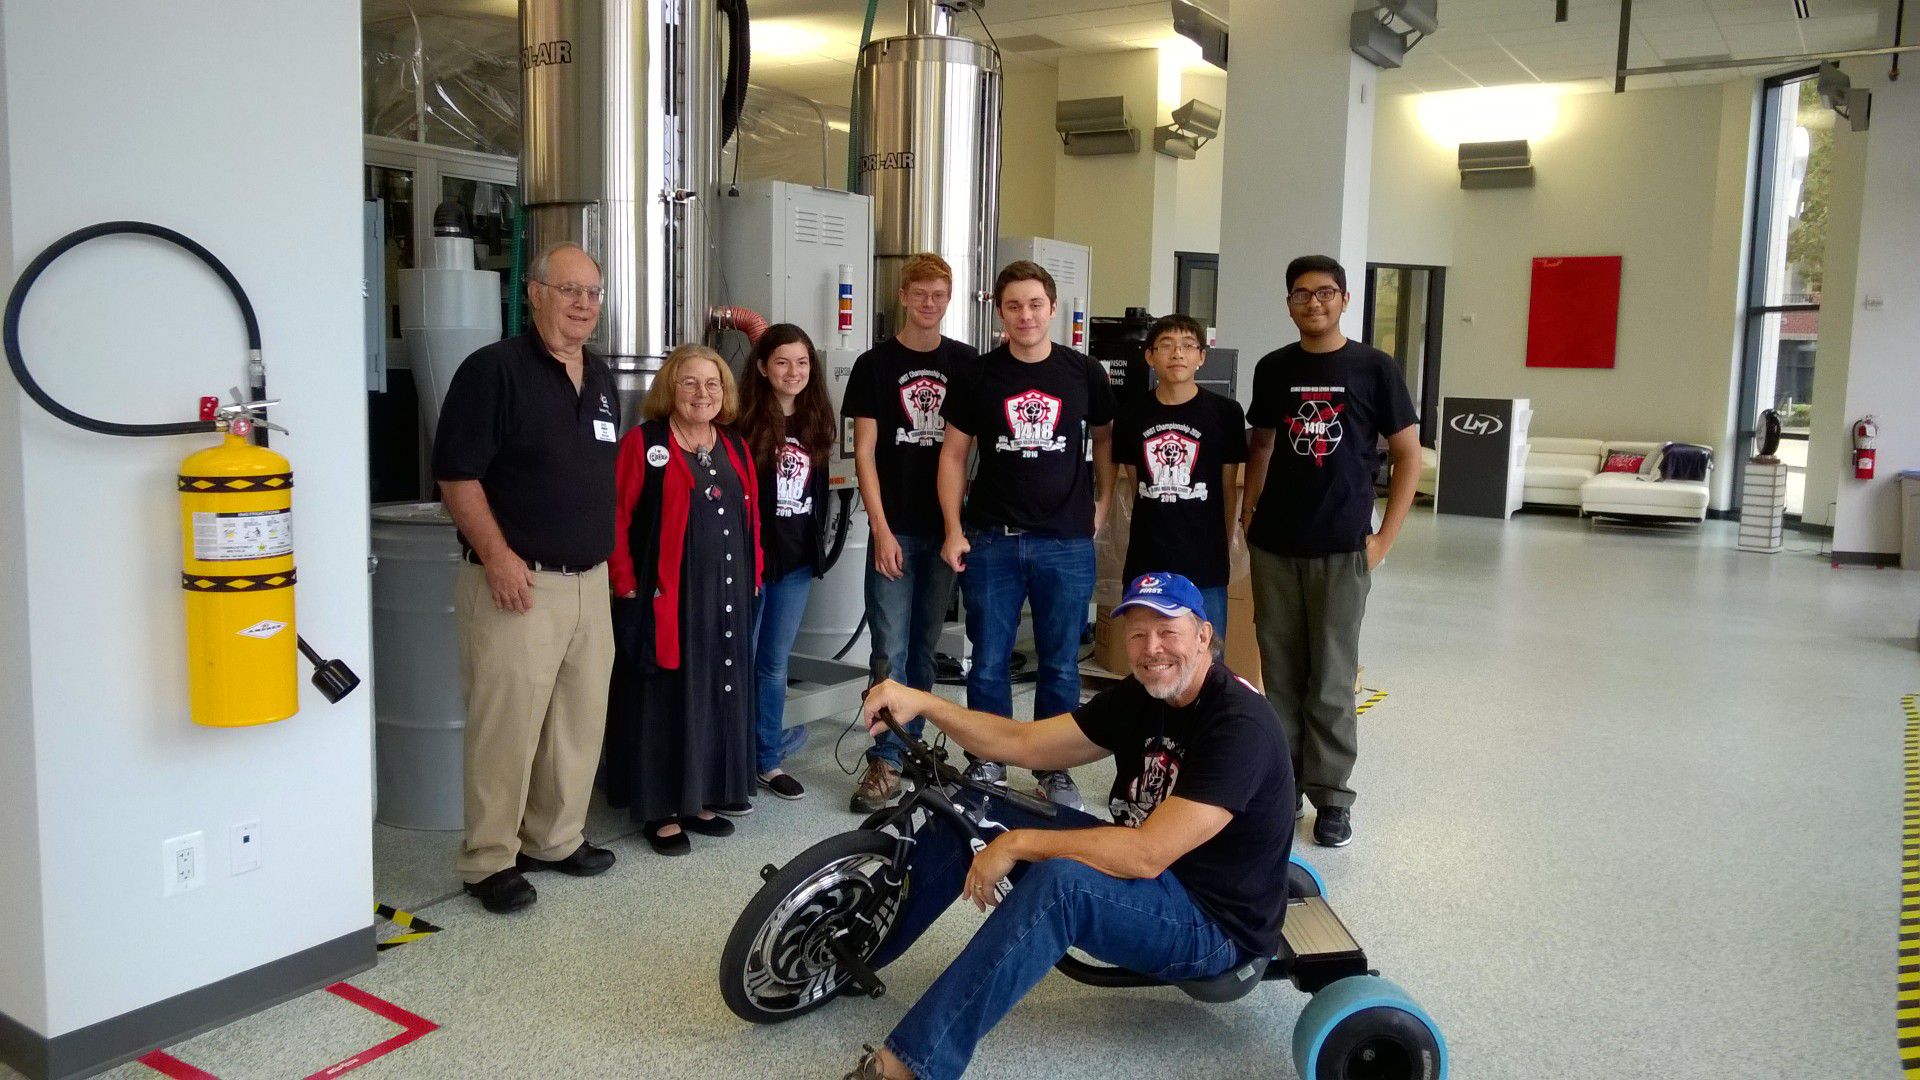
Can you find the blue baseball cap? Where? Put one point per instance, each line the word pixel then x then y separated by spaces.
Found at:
pixel 1169 594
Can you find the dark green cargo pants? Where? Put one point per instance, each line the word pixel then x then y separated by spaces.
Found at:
pixel 1306 615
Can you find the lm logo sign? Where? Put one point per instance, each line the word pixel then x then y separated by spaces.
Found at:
pixel 1477 424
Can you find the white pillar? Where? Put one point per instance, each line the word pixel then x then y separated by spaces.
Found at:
pixel 1297 168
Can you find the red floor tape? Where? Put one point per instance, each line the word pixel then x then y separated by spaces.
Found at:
pixel 412 1027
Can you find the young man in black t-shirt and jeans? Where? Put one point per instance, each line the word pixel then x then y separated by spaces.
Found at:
pixel 1319 409
pixel 1042 417
pixel 1184 446
pixel 895 395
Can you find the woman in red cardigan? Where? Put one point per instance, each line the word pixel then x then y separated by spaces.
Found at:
pixel 685 568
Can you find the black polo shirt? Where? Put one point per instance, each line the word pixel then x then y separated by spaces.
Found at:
pixel 543 453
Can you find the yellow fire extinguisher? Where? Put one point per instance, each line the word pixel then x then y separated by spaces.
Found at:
pixel 236 541
pixel 236 521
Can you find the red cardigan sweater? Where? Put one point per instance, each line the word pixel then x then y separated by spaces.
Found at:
pixel 631 475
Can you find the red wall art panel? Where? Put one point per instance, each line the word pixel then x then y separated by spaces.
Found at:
pixel 1573 317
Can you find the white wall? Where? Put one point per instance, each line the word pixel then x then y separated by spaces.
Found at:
pixel 1882 361
pixel 1187 197
pixel 1107 202
pixel 255 154
pixel 1652 176
pixel 1029 149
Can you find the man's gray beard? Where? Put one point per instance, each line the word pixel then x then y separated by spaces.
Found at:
pixel 1177 685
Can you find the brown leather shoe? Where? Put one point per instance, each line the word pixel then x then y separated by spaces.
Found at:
pixel 877 787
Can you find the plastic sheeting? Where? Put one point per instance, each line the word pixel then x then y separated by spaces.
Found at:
pixel 784 136
pixel 445 79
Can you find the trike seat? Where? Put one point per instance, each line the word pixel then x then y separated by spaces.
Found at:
pixel 1230 985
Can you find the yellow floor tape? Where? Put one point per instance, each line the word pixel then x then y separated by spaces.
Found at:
pixel 1374 697
pixel 1906 1016
pixel 415 926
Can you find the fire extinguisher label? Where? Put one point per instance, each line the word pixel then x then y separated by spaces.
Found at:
pixel 263 629
pixel 256 534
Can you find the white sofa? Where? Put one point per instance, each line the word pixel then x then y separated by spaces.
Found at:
pixel 1566 472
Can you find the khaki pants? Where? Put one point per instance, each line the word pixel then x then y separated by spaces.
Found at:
pixel 536 693
pixel 1306 617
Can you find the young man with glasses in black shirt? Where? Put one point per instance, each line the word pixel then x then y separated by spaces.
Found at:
pixel 1184 446
pixel 1320 407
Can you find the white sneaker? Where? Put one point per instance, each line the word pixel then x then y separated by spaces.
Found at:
pixel 987 772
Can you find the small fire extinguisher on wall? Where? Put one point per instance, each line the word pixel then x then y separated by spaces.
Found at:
pixel 1865 432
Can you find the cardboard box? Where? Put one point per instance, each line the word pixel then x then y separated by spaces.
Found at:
pixel 1243 652
pixel 1109 647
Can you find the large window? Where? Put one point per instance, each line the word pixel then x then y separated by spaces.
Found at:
pixel 1787 272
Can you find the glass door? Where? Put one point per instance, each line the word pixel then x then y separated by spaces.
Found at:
pixel 1402 318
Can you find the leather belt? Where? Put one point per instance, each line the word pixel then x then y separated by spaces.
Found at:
pixel 540 567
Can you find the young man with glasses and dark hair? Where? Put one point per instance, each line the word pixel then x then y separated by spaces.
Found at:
pixel 1042 417
pixel 1320 408
pixel 894 396
pixel 1184 445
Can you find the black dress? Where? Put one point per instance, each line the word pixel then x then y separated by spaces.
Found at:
pixel 682 740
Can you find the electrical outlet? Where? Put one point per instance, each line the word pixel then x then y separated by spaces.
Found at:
pixel 183 863
pixel 243 847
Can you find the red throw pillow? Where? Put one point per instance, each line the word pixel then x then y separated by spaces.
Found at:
pixel 1622 461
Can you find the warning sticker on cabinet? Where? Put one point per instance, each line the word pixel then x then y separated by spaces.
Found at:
pixel 263 629
pixel 254 534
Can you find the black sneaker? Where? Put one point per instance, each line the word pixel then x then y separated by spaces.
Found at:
pixel 1333 827
pixel 734 809
pixel 784 786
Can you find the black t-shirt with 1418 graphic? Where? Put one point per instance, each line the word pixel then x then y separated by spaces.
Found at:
pixel 1328 412
pixel 1032 424
pixel 1177 453
pixel 1226 749
pixel 902 391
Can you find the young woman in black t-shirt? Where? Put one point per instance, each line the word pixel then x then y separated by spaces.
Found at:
pixel 788 422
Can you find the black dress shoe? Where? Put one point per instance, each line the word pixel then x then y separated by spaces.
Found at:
pixel 585 861
pixel 503 891
pixel 713 826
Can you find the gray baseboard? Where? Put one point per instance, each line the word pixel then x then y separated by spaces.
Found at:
pixel 101 1046
pixel 1866 558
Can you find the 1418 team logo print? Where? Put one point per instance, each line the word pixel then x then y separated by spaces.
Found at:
pixel 790 495
pixel 1315 431
pixel 921 399
pixel 1171 456
pixel 1033 418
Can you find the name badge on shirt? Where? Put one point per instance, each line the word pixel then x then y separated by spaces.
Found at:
pixel 603 430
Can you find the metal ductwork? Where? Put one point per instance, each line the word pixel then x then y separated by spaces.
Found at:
pixel 928 142
pixel 621 106
pixel 1507 164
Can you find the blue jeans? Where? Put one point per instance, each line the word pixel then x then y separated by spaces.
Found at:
pixel 1215 599
pixel 1149 925
pixel 1055 578
pixel 904 620
pixel 775 625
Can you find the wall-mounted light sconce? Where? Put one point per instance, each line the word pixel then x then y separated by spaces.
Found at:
pixel 1090 127
pixel 1204 29
pixel 1837 92
pixel 1383 31
pixel 1195 124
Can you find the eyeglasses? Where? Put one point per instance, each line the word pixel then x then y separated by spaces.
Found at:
pixel 590 293
pixel 1326 294
pixel 711 387
pixel 915 296
pixel 1177 348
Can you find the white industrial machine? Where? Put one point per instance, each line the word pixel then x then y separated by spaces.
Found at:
pixel 1072 268
pixel 804 255
pixel 447 310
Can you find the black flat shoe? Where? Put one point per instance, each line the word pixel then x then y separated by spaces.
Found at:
pixel 713 826
pixel 503 891
pixel 784 786
pixel 677 844
pixel 585 861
